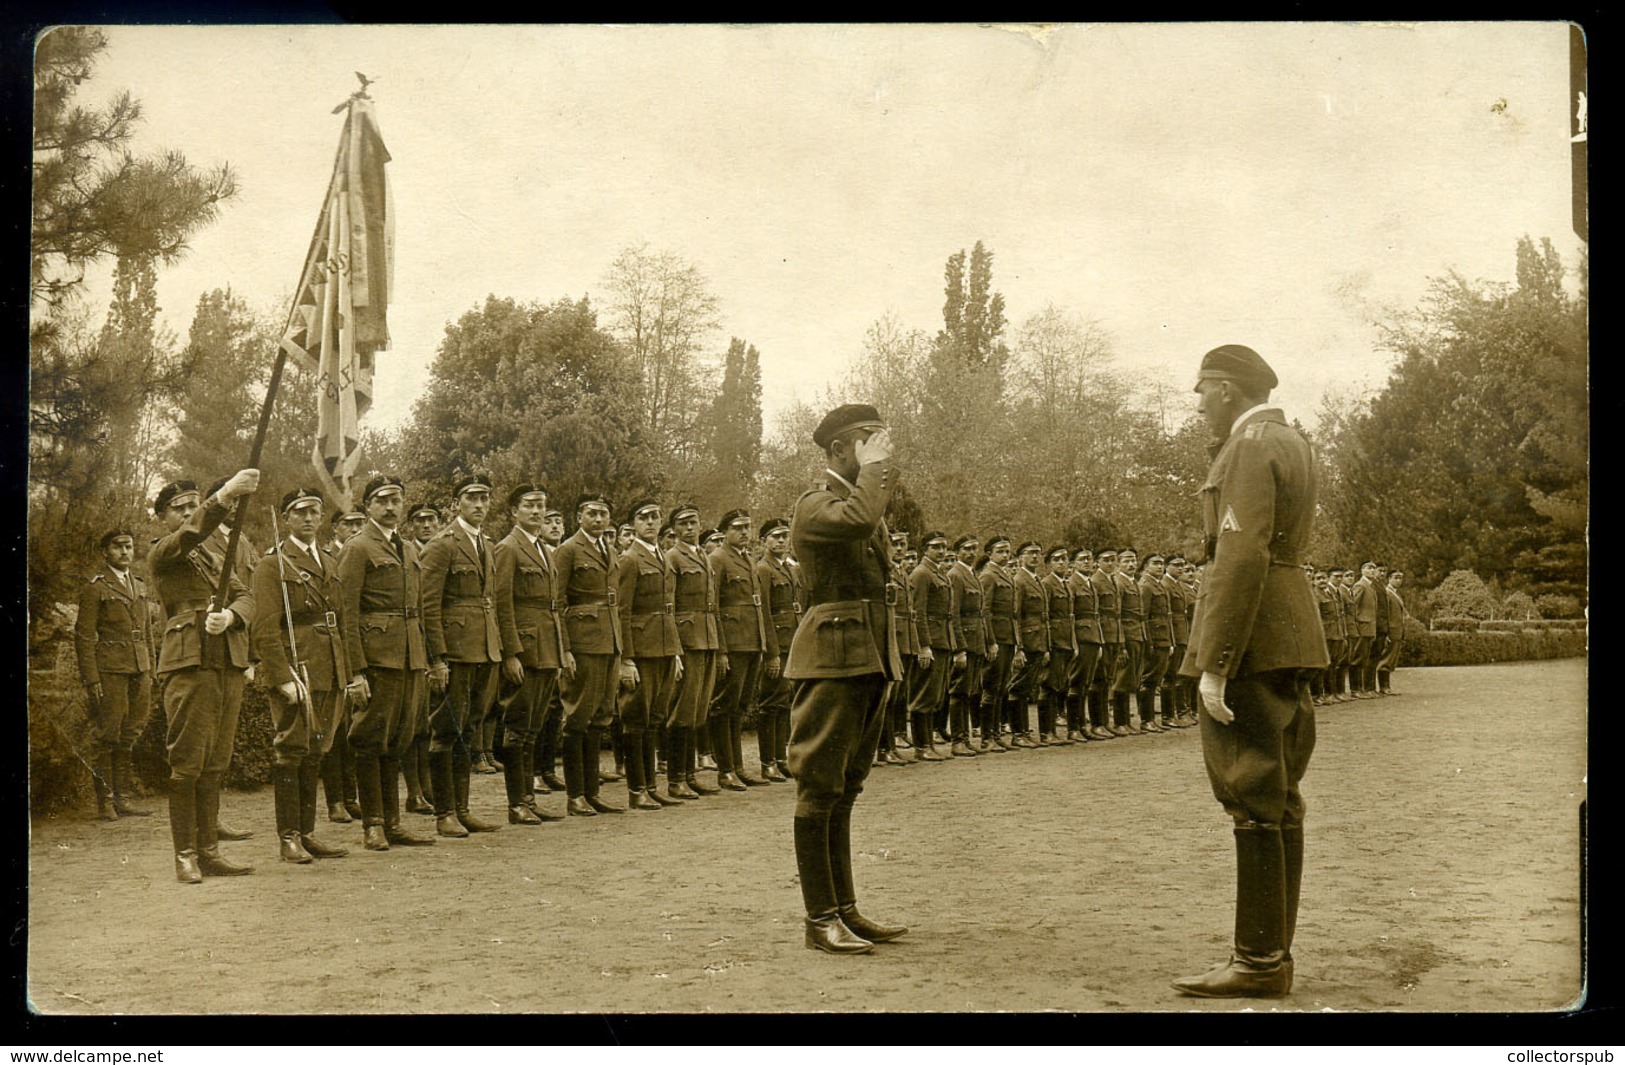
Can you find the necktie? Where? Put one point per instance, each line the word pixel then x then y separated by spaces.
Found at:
pixel 395 545
pixel 316 557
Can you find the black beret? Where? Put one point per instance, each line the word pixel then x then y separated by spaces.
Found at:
pixel 379 484
pixel 341 516
pixel 113 534
pixel 643 504
pixel 665 530
pixel 470 480
pixel 682 509
pixel 847 416
pixel 732 516
pixel 1104 553
pixel 932 537
pixel 963 540
pixel 708 534
pixel 523 490
pixel 1029 543
pixel 553 514
pixel 169 491
pixel 1059 549
pixel 1243 365
pixel 592 497
pixel 300 495
pixel 424 507
pixel 1152 556
pixel 996 538
pixel 771 526
pixel 1081 551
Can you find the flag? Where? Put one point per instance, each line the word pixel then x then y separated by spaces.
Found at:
pixel 338 322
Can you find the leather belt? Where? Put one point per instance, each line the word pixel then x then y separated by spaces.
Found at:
pixel 408 612
pixel 470 600
pixel 188 606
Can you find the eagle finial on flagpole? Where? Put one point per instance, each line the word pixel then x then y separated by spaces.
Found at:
pixel 359 94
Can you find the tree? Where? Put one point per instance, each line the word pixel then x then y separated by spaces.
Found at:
pixel 735 427
pixel 1474 454
pixel 662 311
pixel 130 340
pixel 973 314
pixel 92 197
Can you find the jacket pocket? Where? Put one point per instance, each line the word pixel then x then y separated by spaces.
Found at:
pixel 842 639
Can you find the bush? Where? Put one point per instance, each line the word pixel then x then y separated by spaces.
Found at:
pixel 1535 625
pixel 1447 624
pixel 1558 606
pixel 1463 594
pixel 1517 606
pixel 1479 648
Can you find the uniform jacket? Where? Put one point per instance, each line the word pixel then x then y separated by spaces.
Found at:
pixel 315 601
pixel 699 619
pixel 1106 597
pixel 972 634
pixel 999 600
pixel 186 573
pixel 527 600
pixel 908 629
pixel 592 618
pixel 1379 593
pixel 459 598
pixel 1063 620
pixel 247 557
pixel 745 626
pixel 1032 611
pixel 382 616
pixel 646 586
pixel 931 596
pixel 1159 620
pixel 113 633
pixel 1331 612
pixel 1085 609
pixel 1256 612
pixel 1396 614
pixel 1363 599
pixel 839 535
pixel 1345 600
pixel 782 585
pixel 1178 610
pixel 1130 607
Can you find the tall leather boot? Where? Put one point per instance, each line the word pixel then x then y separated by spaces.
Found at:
pixel 925 747
pixel 678 754
pixel 462 771
pixel 1292 867
pixel 651 768
pixel 590 778
pixel 766 742
pixel 369 786
pixel 124 786
pixel 846 894
pixel 1257 966
pixel 722 753
pixel 183 829
pixel 513 785
pixel 389 786
pixel 1120 725
pixel 101 777
pixel 824 928
pixel 637 782
pixel 445 796
pixel 736 738
pixel 351 783
pixel 285 795
pixel 309 774
pixel 209 859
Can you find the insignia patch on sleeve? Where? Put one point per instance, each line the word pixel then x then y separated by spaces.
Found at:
pixel 1229 524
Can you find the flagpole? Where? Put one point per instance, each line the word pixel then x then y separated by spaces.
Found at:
pixel 257 449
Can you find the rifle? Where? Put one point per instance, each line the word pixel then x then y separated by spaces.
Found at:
pixel 301 673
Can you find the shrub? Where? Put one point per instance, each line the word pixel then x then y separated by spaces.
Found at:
pixel 1448 624
pixel 1517 606
pixel 1535 625
pixel 1463 594
pixel 1479 648
pixel 1558 606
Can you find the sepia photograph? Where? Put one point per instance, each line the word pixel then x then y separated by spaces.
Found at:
pixel 568 519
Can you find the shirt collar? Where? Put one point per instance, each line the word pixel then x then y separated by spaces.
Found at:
pixel 1249 412
pixel 310 548
pixel 653 548
pixel 473 533
pixel 388 534
pixel 838 477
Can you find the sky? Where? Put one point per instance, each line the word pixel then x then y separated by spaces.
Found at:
pixel 1185 185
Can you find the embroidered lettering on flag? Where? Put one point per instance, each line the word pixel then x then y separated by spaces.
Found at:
pixel 338 321
pixel 1229 524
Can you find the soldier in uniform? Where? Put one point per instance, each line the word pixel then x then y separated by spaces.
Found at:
pixel 592 632
pixel 752 646
pixel 422 521
pixel 1004 654
pixel 202 665
pixel 546 779
pixel 338 764
pixel 895 734
pixel 533 653
pixel 1346 680
pixel 1052 712
pixel 296 632
pixel 783 587
pixel 345 524
pixel 931 596
pixel 646 589
pixel 1396 634
pixel 112 639
pixel 1159 639
pixel 1131 620
pixel 843 657
pixel 1379 643
pixel 1102 702
pixel 1363 601
pixel 1032 636
pixel 384 652
pixel 699 626
pixel 1175 710
pixel 970 633
pixel 1090 646
pixel 464 645
pixel 1254 639
pixel 1331 623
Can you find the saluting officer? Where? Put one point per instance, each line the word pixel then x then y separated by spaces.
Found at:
pixel 783 587
pixel 1254 640
pixel 1111 634
pixel 646 589
pixel 113 642
pixel 202 665
pixel 1052 712
pixel 699 625
pixel 752 645
pixel 931 595
pixel 592 632
pixel 384 652
pixel 970 633
pixel 297 634
pixel 533 652
pixel 1004 654
pixel 460 626
pixel 842 659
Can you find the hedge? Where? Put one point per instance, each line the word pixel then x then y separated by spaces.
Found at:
pixel 1478 648
pixel 1508 625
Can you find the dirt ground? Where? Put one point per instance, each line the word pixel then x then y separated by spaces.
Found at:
pixel 1442 873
